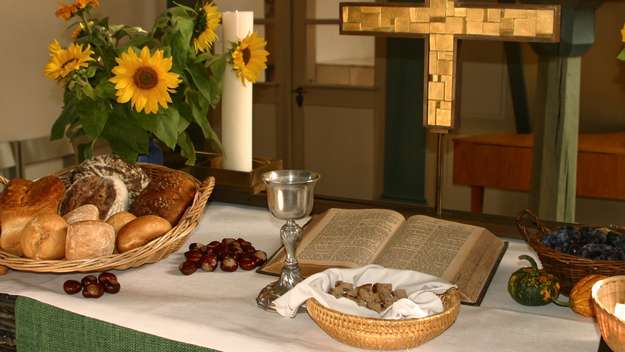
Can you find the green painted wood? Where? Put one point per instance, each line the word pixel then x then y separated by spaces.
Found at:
pixel 556 135
pixel 405 143
pixel 557 122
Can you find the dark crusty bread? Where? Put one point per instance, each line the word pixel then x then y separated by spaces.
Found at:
pixel 111 165
pixel 108 194
pixel 168 195
pixel 20 202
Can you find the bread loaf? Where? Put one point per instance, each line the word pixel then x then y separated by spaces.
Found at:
pixel 82 213
pixel 44 237
pixel 108 194
pixel 120 220
pixel 141 231
pixel 89 239
pixel 133 176
pixel 168 195
pixel 20 202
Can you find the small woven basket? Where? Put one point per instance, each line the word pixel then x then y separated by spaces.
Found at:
pixel 384 334
pixel 567 268
pixel 152 252
pixel 606 294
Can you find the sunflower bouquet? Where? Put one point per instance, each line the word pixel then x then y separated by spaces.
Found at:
pixel 126 85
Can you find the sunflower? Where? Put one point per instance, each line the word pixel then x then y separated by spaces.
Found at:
pixel 84 3
pixel 79 29
pixel 249 57
pixel 204 32
pixel 144 80
pixel 623 33
pixel 66 11
pixel 65 61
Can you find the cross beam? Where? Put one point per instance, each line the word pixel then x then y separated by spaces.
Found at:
pixel 442 23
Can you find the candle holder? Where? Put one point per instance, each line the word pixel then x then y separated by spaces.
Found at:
pixel 290 196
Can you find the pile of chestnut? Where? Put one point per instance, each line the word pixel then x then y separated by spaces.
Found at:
pixel 229 254
pixel 92 286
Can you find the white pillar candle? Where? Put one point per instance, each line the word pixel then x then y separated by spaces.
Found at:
pixel 236 105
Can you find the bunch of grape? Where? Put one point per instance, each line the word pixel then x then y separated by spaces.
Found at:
pixel 587 242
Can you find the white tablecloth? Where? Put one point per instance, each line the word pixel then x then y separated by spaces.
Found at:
pixel 218 310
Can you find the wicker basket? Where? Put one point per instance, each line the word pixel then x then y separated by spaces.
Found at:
pixel 567 268
pixel 606 294
pixel 383 334
pixel 149 253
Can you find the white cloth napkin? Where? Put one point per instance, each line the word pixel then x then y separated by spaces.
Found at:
pixel 422 290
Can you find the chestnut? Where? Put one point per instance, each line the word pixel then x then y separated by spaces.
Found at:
pixel 213 244
pixel 229 264
pixel 247 263
pixel 188 267
pixel 227 241
pixel 261 257
pixel 89 279
pixel 208 262
pixel 195 245
pixel 243 242
pixel 93 290
pixel 194 255
pixel 107 277
pixel 111 287
pixel 72 287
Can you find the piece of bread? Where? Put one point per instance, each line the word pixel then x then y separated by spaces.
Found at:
pixel 20 202
pixel 82 213
pixel 141 231
pixel 120 220
pixel 133 176
pixel 108 194
pixel 44 237
pixel 168 195
pixel 89 239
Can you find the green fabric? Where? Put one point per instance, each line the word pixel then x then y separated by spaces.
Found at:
pixel 43 328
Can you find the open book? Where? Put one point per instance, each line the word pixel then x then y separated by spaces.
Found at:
pixel 462 254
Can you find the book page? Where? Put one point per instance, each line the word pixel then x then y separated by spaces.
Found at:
pixel 348 238
pixel 462 254
pixel 427 244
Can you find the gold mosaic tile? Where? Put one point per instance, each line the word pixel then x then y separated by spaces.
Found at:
pixel 443 22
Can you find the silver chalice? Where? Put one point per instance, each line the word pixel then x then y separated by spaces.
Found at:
pixel 290 196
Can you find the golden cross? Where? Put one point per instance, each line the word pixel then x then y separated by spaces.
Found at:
pixel 442 23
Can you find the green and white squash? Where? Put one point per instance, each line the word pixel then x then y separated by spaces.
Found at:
pixel 531 286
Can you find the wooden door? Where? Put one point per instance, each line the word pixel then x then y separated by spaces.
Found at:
pixel 337 115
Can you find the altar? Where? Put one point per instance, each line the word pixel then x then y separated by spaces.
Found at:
pixel 160 309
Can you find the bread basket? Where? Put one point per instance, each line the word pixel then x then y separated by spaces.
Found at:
pixel 384 334
pixel 152 252
pixel 567 268
pixel 606 294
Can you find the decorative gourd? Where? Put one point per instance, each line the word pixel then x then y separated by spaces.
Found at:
pixel 530 286
pixel 580 297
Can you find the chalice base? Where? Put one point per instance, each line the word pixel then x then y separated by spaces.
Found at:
pixel 289 277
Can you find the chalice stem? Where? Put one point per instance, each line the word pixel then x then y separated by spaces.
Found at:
pixel 290 234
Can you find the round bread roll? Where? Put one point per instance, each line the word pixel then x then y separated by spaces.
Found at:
pixel 89 239
pixel 120 220
pixel 44 237
pixel 141 231
pixel 83 213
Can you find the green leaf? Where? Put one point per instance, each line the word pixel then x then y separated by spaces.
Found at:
pixel 67 117
pixel 187 150
pixel 217 68
pixel 164 125
pixel 208 84
pixel 85 151
pixel 105 90
pixel 126 137
pixel 180 40
pixel 621 55
pixel 93 116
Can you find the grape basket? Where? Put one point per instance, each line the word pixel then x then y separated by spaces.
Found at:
pixel 566 267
